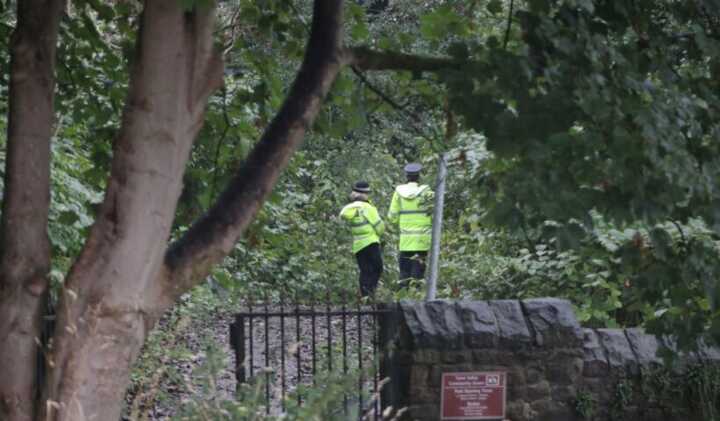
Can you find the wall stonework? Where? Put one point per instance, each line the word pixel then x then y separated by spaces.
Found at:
pixel 550 360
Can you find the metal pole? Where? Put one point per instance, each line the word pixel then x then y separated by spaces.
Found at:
pixel 436 228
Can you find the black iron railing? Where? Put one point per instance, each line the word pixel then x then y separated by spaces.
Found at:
pixel 290 345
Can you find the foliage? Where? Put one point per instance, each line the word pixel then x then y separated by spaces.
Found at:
pixel 321 402
pixel 702 391
pixel 691 392
pixel 585 405
pixel 157 371
pixel 696 392
pixel 623 397
pixel 601 108
pixel 72 202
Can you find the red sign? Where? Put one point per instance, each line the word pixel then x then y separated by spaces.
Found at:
pixel 473 396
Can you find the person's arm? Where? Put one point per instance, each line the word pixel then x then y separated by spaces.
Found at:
pixel 428 201
pixel 374 219
pixel 394 211
pixel 341 215
pixel 346 214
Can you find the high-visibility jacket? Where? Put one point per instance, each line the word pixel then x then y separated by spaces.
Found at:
pixel 365 224
pixel 411 209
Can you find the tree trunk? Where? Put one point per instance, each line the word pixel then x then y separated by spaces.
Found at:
pixel 25 256
pixel 103 316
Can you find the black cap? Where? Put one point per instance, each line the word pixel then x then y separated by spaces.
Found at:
pixel 362 187
pixel 413 168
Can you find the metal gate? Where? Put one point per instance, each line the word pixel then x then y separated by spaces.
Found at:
pixel 288 345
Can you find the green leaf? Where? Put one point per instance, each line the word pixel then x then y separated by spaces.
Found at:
pixel 494 6
pixel 67 218
pixel 662 243
pixel 187 5
pixel 441 22
pixel 539 6
pixel 359 31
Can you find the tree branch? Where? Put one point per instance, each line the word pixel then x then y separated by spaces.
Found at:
pixel 509 25
pixel 364 58
pixel 190 259
pixel 412 118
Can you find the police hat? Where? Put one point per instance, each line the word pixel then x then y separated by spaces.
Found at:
pixel 362 187
pixel 413 168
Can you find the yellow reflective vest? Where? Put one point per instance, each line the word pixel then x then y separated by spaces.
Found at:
pixel 411 209
pixel 365 224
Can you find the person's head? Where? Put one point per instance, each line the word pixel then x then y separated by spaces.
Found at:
pixel 412 172
pixel 360 191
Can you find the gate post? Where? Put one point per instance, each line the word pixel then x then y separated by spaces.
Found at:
pixel 389 368
pixel 237 342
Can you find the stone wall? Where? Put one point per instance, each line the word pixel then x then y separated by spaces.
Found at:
pixel 554 366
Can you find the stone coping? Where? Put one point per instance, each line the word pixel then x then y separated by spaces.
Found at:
pixel 540 323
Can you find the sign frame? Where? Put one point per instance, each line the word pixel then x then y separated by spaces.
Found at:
pixel 503 387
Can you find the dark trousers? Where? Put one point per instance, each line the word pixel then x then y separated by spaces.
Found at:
pixel 412 265
pixel 370 263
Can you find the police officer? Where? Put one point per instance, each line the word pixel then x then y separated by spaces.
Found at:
pixel 411 210
pixel 367 228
